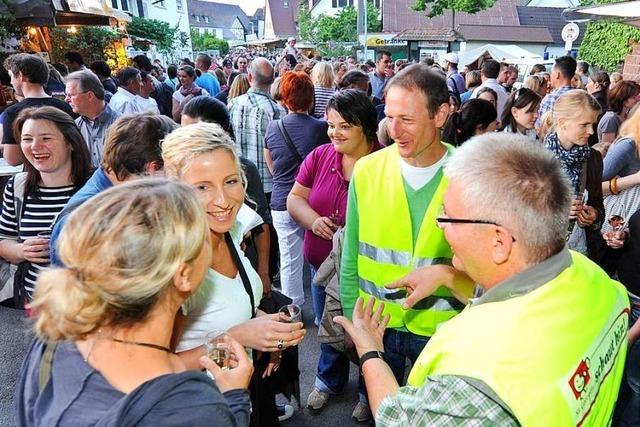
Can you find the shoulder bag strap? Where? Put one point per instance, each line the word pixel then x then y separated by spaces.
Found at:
pixel 583 176
pixel 243 274
pixel 19 189
pixel 287 139
pixel 46 364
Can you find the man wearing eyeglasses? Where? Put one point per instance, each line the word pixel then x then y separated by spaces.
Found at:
pixel 86 96
pixel 544 344
pixel 394 197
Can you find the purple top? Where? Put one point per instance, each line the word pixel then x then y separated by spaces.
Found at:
pixel 321 171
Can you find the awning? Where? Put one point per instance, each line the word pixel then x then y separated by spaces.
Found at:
pixel 626 12
pixel 508 53
pixel 63 12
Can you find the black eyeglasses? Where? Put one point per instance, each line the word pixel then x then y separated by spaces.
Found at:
pixel 446 220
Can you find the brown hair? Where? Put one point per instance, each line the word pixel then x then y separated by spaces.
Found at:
pixel 80 157
pixel 620 93
pixel 133 141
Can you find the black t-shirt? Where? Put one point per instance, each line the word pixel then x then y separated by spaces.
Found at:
pixel 629 265
pixel 12 112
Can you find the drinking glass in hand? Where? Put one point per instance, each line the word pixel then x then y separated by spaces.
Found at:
pixel 291 313
pixel 217 345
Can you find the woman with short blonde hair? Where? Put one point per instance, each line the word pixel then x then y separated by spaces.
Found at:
pixel 104 322
pixel 204 156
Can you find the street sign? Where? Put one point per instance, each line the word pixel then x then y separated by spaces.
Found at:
pixel 570 32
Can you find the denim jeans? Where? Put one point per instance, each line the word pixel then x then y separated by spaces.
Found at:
pixel 333 366
pixel 290 242
pixel 400 346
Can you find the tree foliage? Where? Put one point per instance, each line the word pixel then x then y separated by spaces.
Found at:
pixel 160 33
pixel 8 27
pixel 606 44
pixel 93 43
pixel 208 41
pixel 438 7
pixel 339 28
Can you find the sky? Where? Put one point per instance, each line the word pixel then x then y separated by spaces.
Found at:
pixel 249 6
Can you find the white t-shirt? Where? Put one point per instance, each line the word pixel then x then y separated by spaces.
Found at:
pixel 221 302
pixel 418 177
pixel 147 104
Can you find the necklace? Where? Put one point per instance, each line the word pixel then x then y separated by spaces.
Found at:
pixel 143 344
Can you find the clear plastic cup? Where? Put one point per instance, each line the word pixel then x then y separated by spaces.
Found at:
pixel 291 313
pixel 217 346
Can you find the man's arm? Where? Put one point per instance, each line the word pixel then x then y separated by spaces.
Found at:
pixel 349 261
pixel 263 247
pixel 424 281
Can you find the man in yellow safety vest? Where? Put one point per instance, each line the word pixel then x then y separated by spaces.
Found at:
pixel 545 342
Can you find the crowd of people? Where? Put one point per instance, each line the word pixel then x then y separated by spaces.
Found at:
pixel 472 241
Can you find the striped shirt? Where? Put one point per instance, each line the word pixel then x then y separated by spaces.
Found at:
pixel 322 97
pixel 250 114
pixel 39 213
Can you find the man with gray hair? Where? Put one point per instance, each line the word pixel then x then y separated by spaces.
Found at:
pixel 250 115
pixel 85 95
pixel 544 344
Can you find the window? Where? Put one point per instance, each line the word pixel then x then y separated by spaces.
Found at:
pixel 179 5
pixel 341 3
pixel 206 19
pixel 114 4
pixel 285 4
pixel 140 5
pixel 197 18
pixel 125 5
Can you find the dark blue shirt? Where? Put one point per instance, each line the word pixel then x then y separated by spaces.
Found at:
pixel 78 395
pixel 98 183
pixel 306 133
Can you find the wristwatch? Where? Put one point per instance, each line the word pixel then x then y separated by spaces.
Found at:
pixel 373 354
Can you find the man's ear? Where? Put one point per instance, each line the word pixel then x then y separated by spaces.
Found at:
pixel 502 245
pixel 441 115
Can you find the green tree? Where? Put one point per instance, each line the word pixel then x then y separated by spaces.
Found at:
pixel 338 28
pixel 93 43
pixel 606 44
pixel 8 27
pixel 160 33
pixel 208 41
pixel 438 7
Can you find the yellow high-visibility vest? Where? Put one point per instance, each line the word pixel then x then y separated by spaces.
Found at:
pixel 554 355
pixel 386 251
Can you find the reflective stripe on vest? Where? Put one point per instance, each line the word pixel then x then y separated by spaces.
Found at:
pixel 386 250
pixel 400 258
pixel 555 356
pixel 398 296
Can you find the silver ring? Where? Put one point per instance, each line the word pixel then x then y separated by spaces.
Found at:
pixel 280 344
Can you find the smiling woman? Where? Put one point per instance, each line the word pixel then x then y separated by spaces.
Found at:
pixel 204 155
pixel 57 164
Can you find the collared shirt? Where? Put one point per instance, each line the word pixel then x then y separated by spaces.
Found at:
pixel 549 101
pixel 250 115
pixel 95 131
pixel 445 400
pixel 497 87
pixel 377 84
pixel 146 104
pixel 123 102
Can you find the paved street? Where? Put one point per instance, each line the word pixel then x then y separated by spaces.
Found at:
pixel 14 342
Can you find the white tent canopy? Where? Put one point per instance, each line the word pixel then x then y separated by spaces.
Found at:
pixel 507 53
pixel 627 12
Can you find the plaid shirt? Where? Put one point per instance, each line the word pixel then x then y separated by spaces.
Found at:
pixel 443 400
pixel 250 114
pixel 549 101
